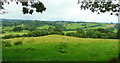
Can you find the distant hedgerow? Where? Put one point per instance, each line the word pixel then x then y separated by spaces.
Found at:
pixel 18 43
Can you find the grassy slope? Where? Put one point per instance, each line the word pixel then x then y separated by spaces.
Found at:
pixel 44 27
pixel 79 25
pixel 14 33
pixel 68 31
pixel 48 48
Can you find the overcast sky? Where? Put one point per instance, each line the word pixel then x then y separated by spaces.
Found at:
pixel 57 10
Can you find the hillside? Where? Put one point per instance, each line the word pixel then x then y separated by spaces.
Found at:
pixel 60 48
pixel 24 26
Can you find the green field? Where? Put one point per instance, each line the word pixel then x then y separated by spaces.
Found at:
pixel 68 31
pixel 79 25
pixel 44 27
pixel 8 26
pixel 60 48
pixel 14 33
pixel 53 41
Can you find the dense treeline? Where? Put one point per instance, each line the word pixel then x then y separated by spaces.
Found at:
pixel 90 33
pixel 37 33
pixel 94 33
pixel 32 25
pixel 58 28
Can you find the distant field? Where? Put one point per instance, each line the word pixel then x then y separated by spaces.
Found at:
pixel 14 33
pixel 44 27
pixel 73 25
pixel 68 31
pixel 61 48
pixel 79 25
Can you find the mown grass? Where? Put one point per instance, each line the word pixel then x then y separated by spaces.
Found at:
pixel 61 48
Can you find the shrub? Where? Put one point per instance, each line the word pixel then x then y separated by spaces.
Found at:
pixel 6 43
pixel 83 24
pixel 62 45
pixel 8 36
pixel 71 34
pixel 18 43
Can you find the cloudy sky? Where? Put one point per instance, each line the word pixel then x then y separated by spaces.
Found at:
pixel 57 10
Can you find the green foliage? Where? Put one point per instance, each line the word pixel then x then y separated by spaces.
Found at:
pixel 18 28
pixel 39 6
pixel 6 43
pixel 101 7
pixel 118 30
pixel 11 36
pixel 8 36
pixel 57 29
pixel 97 34
pixel 94 33
pixel 83 24
pixel 104 36
pixel 18 42
pixel 89 33
pixel 81 31
pixel 71 34
pixel 102 30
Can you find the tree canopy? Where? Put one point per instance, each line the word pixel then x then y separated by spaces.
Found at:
pixel 28 8
pixel 101 7
pixel 97 6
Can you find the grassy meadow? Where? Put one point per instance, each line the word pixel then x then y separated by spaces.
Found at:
pixel 58 41
pixel 60 48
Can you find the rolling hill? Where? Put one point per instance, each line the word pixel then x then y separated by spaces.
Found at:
pixel 60 48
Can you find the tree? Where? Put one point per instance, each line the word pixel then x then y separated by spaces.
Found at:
pixel 118 31
pixel 27 8
pixel 79 30
pixel 96 34
pixel 99 7
pixel 8 36
pixel 89 33
pixel 103 36
pixel 18 29
pixel 71 34
pixel 112 35
pixel 57 29
pixel 102 30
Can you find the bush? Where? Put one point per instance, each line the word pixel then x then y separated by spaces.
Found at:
pixel 83 24
pixel 8 36
pixel 62 45
pixel 71 34
pixel 6 43
pixel 18 43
